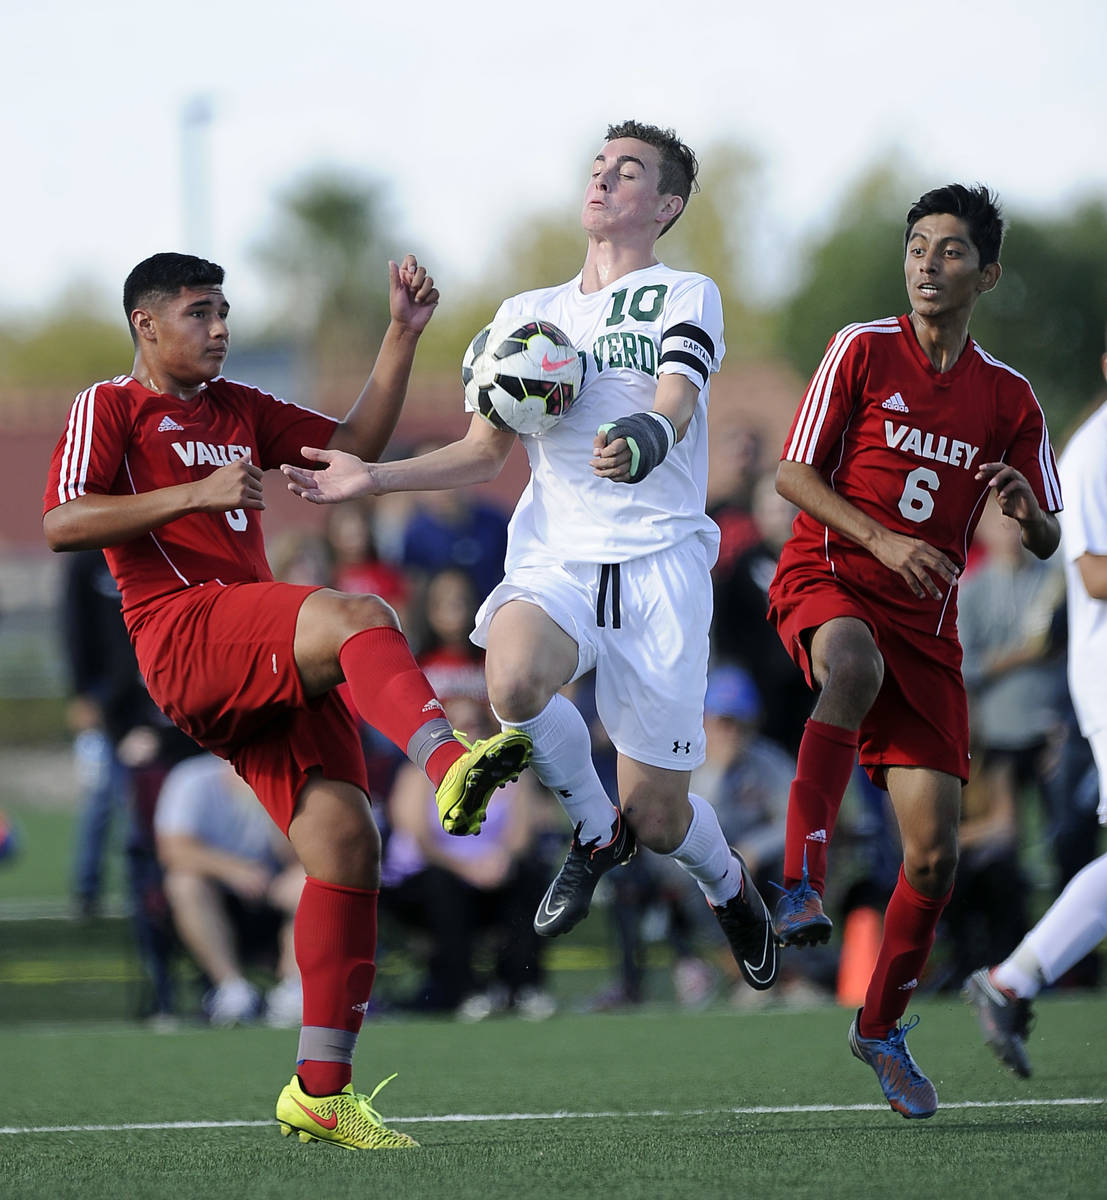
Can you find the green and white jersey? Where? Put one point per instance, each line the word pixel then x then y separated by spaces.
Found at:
pixel 646 323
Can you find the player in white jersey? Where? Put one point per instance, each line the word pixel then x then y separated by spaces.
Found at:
pixel 609 548
pixel 567 510
pixel 1076 922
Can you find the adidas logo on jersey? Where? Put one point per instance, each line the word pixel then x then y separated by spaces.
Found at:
pixel 896 403
pixel 909 986
pixel 168 425
pixel 817 835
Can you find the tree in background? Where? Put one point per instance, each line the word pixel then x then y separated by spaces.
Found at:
pixel 66 345
pixel 1046 317
pixel 849 273
pixel 326 256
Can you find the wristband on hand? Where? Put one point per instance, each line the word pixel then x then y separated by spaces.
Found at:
pixel 649 436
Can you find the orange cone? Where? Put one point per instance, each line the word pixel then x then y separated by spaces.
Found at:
pixel 860 945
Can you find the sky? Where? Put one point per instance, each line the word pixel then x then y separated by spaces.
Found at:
pixel 470 117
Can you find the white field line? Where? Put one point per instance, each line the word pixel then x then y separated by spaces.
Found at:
pixel 461 1118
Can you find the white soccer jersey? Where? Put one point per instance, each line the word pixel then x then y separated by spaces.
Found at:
pixel 647 323
pixel 1084 531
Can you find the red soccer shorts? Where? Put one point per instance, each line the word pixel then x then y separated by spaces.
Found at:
pixel 218 661
pixel 920 717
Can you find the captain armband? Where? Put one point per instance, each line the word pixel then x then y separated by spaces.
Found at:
pixel 649 437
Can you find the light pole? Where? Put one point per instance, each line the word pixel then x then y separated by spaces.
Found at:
pixel 196 118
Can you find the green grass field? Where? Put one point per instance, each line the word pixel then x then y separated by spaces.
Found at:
pixel 654 1103
pixel 658 1103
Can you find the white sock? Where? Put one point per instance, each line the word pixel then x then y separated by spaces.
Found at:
pixel 562 760
pixel 705 855
pixel 1074 924
pixel 1021 973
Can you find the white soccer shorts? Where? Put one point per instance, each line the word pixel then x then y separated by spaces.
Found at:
pixel 643 625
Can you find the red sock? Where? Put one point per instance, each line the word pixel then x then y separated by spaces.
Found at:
pixel 393 695
pixel 335 935
pixel 910 923
pixel 827 755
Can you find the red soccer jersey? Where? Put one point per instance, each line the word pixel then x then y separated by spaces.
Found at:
pixel 123 439
pixel 902 442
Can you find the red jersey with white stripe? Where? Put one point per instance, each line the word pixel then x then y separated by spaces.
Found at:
pixel 123 439
pixel 902 442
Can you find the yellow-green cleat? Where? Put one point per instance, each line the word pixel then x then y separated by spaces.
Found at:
pixel 487 764
pixel 347 1119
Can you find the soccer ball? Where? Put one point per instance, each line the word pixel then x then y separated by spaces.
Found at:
pixel 521 377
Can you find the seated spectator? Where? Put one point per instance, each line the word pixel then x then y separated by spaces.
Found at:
pixel 232 886
pixel 453 889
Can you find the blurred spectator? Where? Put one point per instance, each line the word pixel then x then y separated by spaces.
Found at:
pixel 123 745
pixel 449 607
pixel 455 527
pixel 987 913
pixel 302 556
pixel 1013 675
pixel 358 566
pixel 736 450
pixel 9 839
pixel 454 889
pixel 108 700
pixel 738 630
pixel 745 777
pixel 233 885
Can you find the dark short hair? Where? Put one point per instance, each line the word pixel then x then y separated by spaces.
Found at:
pixel 163 275
pixel 678 163
pixel 976 206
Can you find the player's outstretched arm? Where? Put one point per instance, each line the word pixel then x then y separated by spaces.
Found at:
pixel 371 421
pixel 93 521
pixel 478 457
pixel 925 570
pixel 1041 532
pixel 342 477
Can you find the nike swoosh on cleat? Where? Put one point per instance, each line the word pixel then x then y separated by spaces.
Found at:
pixel 330 1122
pixel 552 366
pixel 753 970
pixel 547 915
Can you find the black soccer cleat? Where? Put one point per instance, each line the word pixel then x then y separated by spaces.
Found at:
pixel 749 929
pixel 1005 1019
pixel 569 897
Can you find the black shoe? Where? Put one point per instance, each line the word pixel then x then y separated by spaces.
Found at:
pixel 1005 1019
pixel 749 930
pixel 568 898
